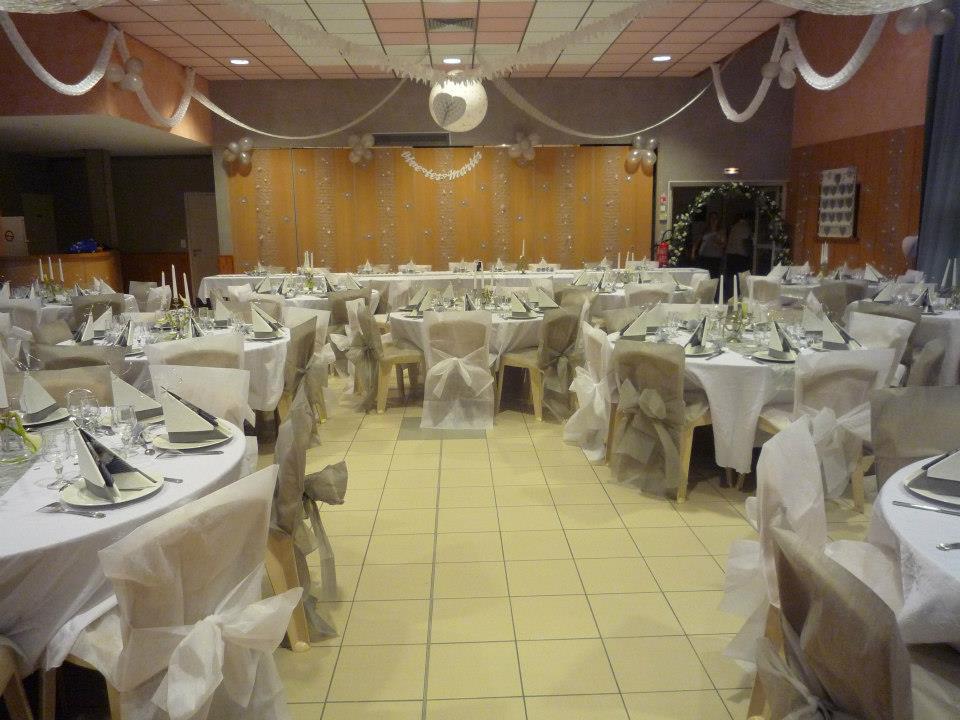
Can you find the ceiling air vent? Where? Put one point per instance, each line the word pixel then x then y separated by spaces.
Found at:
pixel 437 139
pixel 451 24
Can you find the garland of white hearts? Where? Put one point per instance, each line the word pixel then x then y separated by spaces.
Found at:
pixel 474 160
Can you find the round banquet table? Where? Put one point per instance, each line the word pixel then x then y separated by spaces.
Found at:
pixel 322 302
pixel 53 311
pixel 49 568
pixel 930 578
pixel 506 334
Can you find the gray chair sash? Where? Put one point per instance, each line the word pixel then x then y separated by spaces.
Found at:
pixel 646 443
pixel 362 353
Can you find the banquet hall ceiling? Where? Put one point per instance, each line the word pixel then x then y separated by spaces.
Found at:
pixel 206 35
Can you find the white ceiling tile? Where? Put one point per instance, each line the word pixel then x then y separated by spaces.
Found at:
pixel 420 50
pixel 496 49
pixel 531 38
pixel 554 24
pixel 343 27
pixel 451 49
pixel 362 38
pixel 340 11
pixel 295 12
pixel 561 9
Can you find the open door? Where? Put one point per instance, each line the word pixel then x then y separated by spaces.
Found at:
pixel 203 240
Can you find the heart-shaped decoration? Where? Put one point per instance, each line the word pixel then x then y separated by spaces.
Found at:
pixel 447 109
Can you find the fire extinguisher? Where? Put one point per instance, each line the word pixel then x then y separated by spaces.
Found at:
pixel 663 253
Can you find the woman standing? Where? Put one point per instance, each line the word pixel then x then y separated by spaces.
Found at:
pixel 710 250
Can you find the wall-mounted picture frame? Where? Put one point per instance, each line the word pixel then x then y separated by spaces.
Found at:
pixel 838 203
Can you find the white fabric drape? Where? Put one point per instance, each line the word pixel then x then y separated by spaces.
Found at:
pixel 595 387
pixel 852 66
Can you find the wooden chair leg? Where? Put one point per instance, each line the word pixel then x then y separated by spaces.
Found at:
pixel 496 407
pixel 282 571
pixel 283 405
pixel 414 371
pixel 48 694
pixel 383 386
pixel 686 450
pixel 403 392
pixel 536 392
pixel 16 700
pixel 856 482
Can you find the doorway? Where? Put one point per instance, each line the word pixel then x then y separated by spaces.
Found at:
pixel 203 240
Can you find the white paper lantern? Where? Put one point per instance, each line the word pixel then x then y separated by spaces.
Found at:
pixel 458 107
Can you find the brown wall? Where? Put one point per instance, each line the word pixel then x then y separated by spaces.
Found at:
pixel 148 266
pixel 77 268
pixel 875 123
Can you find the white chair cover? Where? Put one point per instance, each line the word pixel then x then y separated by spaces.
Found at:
pixel 595 386
pixel 458 387
pixel 158 299
pixel 764 290
pixel 270 304
pixel 191 636
pixel 225 351
pixel 926 364
pixel 95 378
pixel 56 357
pixel 647 293
pixel 24 314
pixel 877 331
pixel 140 291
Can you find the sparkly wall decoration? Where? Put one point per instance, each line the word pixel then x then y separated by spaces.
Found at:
pixel 386 205
pixel 502 220
pixel 610 210
pixel 564 203
pixel 266 232
pixel 838 202
pixel 325 246
pixel 447 241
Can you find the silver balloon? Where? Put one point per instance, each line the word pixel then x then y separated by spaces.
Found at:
pixel 910 20
pixel 638 141
pixel 229 156
pixel 367 140
pixel 134 65
pixel 244 158
pixel 770 70
pixel 514 151
pixel 940 22
pixel 115 73
pixel 534 139
pixel 354 157
pixel 234 147
pixel 353 140
pixel 132 82
pixel 528 154
pixel 647 162
pixel 652 144
pixel 632 163
pixel 246 144
pixel 788 78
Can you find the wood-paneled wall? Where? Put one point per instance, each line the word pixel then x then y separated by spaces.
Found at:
pixel 148 266
pixel 571 204
pixel 77 268
pixel 889 167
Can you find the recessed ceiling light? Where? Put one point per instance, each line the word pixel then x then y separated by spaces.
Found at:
pixel 239 61
pixel 451 61
pixel 662 58
pixel 731 171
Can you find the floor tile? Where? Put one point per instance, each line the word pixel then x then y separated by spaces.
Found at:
pixel 415 462
pixel 585 494
pixel 569 667
pixel 562 458
pixel 348 577
pixel 454 670
pixel 399 549
pixel 388 622
pixel 464 446
pixel 402 522
pixel 394 582
pixel 408 498
pixel 576 707
pixel 512 459
pixel 543 577
pixel 306 676
pixel 649 664
pixel 649 515
pixel 376 434
pixel 467 520
pixel 518 495
pixel 699 613
pixel 554 617
pixel 634 615
pixel 410 710
pixel 349 522
pixel 464 460
pixel 467 497
pixel 468 547
pixel 518 476
pixel 532 517
pixel 699 704
pixel 368 462
pixel 367 479
pixel 686 573
pixel 588 517
pixel 625 493
pixel 667 541
pixel 723 671
pixel 471 620
pixel 416 447
pixel 509 444
pixel 386 672
pixel 616 575
pixel 470 580
pixel 736 701
pixel 465 477
pixel 476 709
pixel 412 478
pixel 535 545
pixel 347 549
pixel 336 614
pixel 357 499
pixel 307 711
pixel 569 475
pixel 603 543
pixel 717 540
pixel 701 514
pixel 378 447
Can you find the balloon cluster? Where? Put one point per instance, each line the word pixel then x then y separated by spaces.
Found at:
pixel 642 157
pixel 238 151
pixel 522 150
pixel 129 76
pixel 785 70
pixel 360 147
pixel 936 16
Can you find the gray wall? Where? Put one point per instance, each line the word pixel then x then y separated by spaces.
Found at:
pixel 695 146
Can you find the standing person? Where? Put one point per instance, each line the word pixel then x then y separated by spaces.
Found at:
pixel 738 251
pixel 710 250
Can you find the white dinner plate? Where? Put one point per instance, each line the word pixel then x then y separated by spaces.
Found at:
pixel 162 442
pixel 941 491
pixel 703 353
pixel 58 415
pixel 79 496
pixel 765 356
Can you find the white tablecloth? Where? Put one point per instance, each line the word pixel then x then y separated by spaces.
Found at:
pixel 321 302
pixel 49 569
pixel 505 335
pixel 52 312
pixel 930 578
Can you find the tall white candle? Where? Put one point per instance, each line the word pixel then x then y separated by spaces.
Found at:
pixel 50 267
pixel 60 264
pixel 40 265
pixel 163 279
pixel 173 277
pixel 946 273
pixel 824 254
pixel 736 290
pixel 523 247
pixel 955 263
pixel 618 260
pixel 186 290
pixel 721 289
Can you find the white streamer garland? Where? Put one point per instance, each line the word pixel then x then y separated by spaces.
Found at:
pixel 726 107
pixel 853 65
pixel 444 175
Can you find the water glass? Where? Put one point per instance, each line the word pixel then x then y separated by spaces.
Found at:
pixel 124 420
pixel 55 449
pixel 83 406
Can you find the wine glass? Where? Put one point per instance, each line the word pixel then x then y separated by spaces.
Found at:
pixel 55 449
pixel 83 407
pixel 124 419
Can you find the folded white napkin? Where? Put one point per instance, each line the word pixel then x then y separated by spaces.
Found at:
pixel 872 274
pixel 543 300
pixel 101 324
pixel 186 422
pixel 578 280
pixel 221 315
pixel 125 394
pixel 517 308
pixel 448 294
pixel 263 324
pixel 695 343
pixel 946 469
pixel 5 291
pixel 887 293
pixel 35 402
pixel 778 344
pixel 104 473
pixel 648 322
pixel 88 332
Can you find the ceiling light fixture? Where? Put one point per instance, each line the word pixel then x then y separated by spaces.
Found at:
pixel 451 61
pixel 239 61
pixel 662 58
pixel 731 171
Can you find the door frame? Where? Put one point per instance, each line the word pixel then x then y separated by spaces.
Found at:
pixel 195 277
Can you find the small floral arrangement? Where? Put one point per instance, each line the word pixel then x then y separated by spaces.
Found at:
pixel 12 421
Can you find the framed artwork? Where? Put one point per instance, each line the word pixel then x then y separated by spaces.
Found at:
pixel 838 203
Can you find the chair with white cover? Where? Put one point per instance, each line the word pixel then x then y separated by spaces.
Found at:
pixel 575 296
pixel 652 431
pixel 158 299
pixel 595 386
pixel 300 350
pixel 842 654
pixel 317 367
pixel 388 356
pixel 24 314
pixel 11 686
pixel 764 290
pixel 59 357
pixel 97 304
pixel 238 299
pixel 58 383
pixel 706 291
pixel 458 388
pixel 297 528
pixel 833 389
pixel 224 351
pixel 190 636
pixel 52 333
pixel 879 331
pixel 272 305
pixel 140 291
pixel 912 423
pixel 926 364
pixel 833 297
pixel 338 306
pixel 646 294
pixel 550 364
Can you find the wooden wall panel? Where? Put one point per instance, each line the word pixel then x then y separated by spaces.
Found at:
pixel 889 167
pixel 148 266
pixel 288 190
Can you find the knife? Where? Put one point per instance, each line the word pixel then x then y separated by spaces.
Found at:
pixel 931 508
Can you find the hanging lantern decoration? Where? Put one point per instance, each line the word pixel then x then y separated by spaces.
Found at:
pixel 642 156
pixel 360 148
pixel 936 16
pixel 458 106
pixel 523 149
pixel 238 154
pixel 129 76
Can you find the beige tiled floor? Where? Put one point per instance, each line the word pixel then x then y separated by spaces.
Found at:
pixel 509 578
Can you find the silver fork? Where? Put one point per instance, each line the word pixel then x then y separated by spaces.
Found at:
pixel 949 546
pixel 56 507
pixel 180 453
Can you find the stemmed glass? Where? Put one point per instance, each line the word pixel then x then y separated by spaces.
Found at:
pixel 55 449
pixel 83 407
pixel 124 419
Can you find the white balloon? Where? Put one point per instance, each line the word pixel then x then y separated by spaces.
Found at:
pixel 115 73
pixel 638 141
pixel 910 19
pixel 367 140
pixel 353 141
pixel 229 156
pixel 526 145
pixel 528 154
pixel 514 151
pixel 652 144
pixel 465 103
pixel 131 82
pixel 244 158
pixel 233 147
pixel 134 65
pixel 770 70
pixel 788 60
pixel 367 153
pixel 246 144
pixel 940 22
pixel 788 78
pixel 534 139
pixel 354 157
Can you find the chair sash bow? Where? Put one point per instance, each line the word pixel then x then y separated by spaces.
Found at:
pixel 364 358
pixel 650 424
pixel 838 441
pixel 470 368
pixel 587 426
